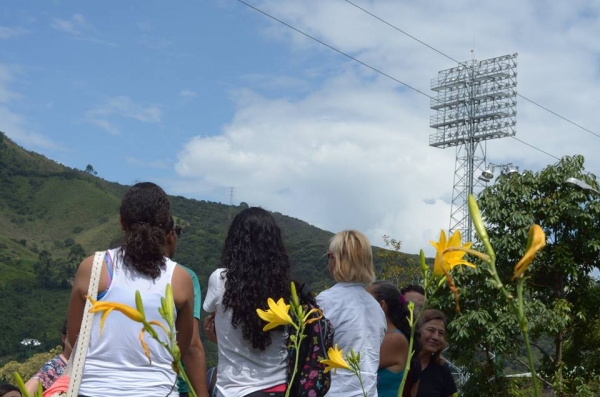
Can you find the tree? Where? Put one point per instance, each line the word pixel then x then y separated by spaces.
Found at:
pixel 397 267
pixel 90 170
pixel 559 282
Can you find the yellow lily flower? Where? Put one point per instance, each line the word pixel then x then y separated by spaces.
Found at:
pixel 535 242
pixel 276 315
pixel 335 360
pixel 107 307
pixel 446 260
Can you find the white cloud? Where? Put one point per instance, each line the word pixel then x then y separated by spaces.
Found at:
pixel 79 28
pixel 188 94
pixel 354 152
pixel 13 124
pixel 122 106
pixel 7 32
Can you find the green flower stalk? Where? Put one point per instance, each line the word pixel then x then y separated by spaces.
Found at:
pixel 351 362
pixel 278 314
pixel 535 242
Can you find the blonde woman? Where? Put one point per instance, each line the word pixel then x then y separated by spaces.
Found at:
pixel 358 319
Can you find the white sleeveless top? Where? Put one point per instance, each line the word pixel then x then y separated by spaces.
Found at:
pixel 115 364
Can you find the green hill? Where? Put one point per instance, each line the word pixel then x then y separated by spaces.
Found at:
pixel 51 216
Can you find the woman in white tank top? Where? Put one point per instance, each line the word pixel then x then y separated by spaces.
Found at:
pixel 115 363
pixel 255 267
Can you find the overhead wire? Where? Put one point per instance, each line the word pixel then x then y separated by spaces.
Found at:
pixel 336 50
pixel 377 70
pixel 457 61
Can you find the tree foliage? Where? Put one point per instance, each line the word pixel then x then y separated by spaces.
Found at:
pixel 563 296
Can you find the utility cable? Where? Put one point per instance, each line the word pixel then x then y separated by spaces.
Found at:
pixel 371 67
pixel 449 57
pixel 336 50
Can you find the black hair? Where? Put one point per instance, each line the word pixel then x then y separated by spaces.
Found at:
pixel 64 333
pixel 145 211
pixel 5 388
pixel 412 288
pixel 397 311
pixel 258 268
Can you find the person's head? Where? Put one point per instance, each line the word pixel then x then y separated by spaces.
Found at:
pixel 172 238
pixel 257 268
pixel 432 328
pixel 392 303
pixel 145 215
pixel 350 258
pixel 414 293
pixel 7 390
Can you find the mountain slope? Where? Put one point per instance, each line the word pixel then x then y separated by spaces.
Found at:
pixel 45 206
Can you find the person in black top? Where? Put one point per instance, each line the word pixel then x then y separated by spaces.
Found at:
pixel 434 377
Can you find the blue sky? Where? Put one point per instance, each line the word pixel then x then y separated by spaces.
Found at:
pixel 202 96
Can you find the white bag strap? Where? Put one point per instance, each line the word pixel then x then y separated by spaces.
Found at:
pixel 83 341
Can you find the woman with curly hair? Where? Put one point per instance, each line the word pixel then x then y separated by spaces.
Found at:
pixel 255 268
pixel 394 349
pixel 358 319
pixel 115 364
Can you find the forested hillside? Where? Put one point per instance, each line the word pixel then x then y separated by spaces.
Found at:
pixel 52 216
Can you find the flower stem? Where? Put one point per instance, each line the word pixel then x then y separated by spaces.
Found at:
pixel 357 373
pixel 525 331
pixel 297 343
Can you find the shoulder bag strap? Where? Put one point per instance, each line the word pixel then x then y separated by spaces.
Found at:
pixel 83 340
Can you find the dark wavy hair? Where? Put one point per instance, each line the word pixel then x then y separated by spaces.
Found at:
pixel 397 310
pixel 146 212
pixel 5 388
pixel 258 268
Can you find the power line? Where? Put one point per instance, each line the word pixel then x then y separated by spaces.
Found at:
pixel 371 67
pixel 336 50
pixel 449 57
pixel 536 148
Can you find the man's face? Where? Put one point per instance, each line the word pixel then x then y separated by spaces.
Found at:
pixel 417 298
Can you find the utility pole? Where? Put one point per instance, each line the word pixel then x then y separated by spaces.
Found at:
pixel 231 192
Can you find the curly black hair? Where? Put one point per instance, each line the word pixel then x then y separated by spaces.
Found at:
pixel 258 268
pixel 145 212
pixel 397 310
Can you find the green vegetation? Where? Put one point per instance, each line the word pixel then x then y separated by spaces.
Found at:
pixel 52 216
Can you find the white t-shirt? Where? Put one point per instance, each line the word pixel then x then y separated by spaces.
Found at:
pixel 360 324
pixel 242 369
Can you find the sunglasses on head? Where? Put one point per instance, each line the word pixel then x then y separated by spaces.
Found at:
pixel 178 230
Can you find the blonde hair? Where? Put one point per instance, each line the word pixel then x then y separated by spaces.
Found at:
pixel 353 257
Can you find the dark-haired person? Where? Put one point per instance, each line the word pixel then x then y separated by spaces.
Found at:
pixel 115 365
pixel 194 361
pixel 434 377
pixel 7 390
pixel 394 349
pixel 255 268
pixel 53 369
pixel 414 293
pixel 358 319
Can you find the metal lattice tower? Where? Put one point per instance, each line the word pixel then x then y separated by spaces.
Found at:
pixel 476 101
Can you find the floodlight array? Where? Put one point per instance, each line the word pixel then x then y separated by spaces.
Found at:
pixel 475 101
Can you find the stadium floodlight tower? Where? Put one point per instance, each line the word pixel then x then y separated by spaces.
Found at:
pixel 476 101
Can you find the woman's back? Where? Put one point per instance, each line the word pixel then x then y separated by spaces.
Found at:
pixel 242 369
pixel 359 324
pixel 115 356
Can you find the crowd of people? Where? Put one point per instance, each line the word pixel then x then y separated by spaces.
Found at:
pixel 369 316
